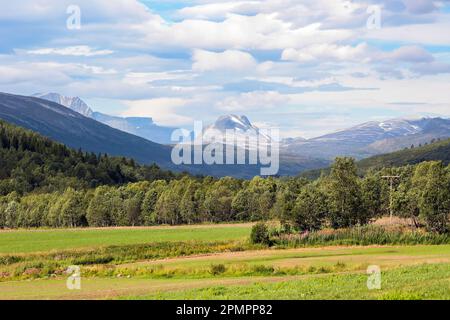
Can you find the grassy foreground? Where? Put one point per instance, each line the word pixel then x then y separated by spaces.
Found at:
pixel 407 283
pixel 210 262
pixel 24 241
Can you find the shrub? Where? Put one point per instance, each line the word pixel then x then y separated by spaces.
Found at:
pixel 7 260
pixel 217 269
pixel 263 270
pixel 90 260
pixel 260 234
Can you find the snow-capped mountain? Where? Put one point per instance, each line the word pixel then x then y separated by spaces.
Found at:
pixel 74 103
pixel 139 126
pixel 67 126
pixel 242 128
pixel 361 141
pixel 372 138
pixel 427 129
pixel 370 132
pixel 233 122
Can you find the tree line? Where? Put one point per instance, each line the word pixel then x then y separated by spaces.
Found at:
pixel 339 199
pixel 46 184
pixel 30 162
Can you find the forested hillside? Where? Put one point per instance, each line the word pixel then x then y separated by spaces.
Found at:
pixel 74 130
pixel 45 184
pixel 435 150
pixel 31 162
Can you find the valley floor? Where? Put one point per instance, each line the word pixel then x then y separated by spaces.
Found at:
pixel 429 281
pixel 231 269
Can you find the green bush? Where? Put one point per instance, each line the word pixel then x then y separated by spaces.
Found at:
pixel 263 270
pixel 93 259
pixel 260 234
pixel 217 269
pixel 7 260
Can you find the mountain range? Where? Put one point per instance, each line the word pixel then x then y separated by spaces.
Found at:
pixel 435 150
pixel 139 126
pixel 246 135
pixel 75 130
pixel 361 141
pixel 371 138
pixel 72 122
pixel 78 131
pixel 146 128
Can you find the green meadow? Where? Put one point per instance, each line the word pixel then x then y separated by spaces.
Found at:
pixel 27 241
pixel 210 262
pixel 406 283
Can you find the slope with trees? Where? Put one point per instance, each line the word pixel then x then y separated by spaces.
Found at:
pixel 437 149
pixel 45 184
pixel 31 162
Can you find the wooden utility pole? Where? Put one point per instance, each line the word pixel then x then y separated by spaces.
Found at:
pixel 391 194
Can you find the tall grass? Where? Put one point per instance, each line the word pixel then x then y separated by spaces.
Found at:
pixel 365 235
pixel 37 265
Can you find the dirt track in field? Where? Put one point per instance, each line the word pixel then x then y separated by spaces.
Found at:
pixel 330 252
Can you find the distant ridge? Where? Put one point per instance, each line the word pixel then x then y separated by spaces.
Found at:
pixel 242 128
pixel 436 151
pixel 371 138
pixel 77 131
pixel 74 103
pixel 139 126
pixel 439 151
pixel 71 128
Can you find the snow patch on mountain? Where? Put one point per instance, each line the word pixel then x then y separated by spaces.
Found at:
pixel 142 127
pixel 245 133
pixel 74 103
pixel 371 138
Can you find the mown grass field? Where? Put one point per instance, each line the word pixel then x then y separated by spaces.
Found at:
pixel 210 262
pixel 23 241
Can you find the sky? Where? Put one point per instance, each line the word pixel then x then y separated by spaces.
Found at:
pixel 308 67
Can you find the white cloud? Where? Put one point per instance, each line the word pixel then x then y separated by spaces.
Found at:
pixel 55 73
pixel 162 110
pixel 325 52
pixel 408 54
pixel 388 92
pixel 239 32
pixel 216 10
pixel 424 34
pixel 431 68
pixel 29 74
pixel 420 6
pixel 256 100
pixel 79 51
pixel 191 64
pixel 360 53
pixel 50 11
pixel 139 78
pixel 230 60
